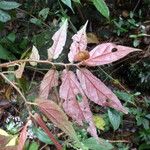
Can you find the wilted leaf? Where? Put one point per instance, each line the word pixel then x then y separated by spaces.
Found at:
pixel 18 73
pixel 92 38
pixel 59 39
pixel 99 122
pixel 23 136
pixel 50 80
pixel 100 93
pixel 3 132
pixel 54 113
pixel 107 53
pixel 13 141
pixel 79 43
pixel 75 102
pixel 3 140
pixel 34 56
pixel 114 118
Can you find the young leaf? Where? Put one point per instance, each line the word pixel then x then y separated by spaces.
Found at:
pixel 79 43
pixel 34 56
pixel 50 80
pixel 44 127
pixel 8 5
pixel 107 53
pixel 23 136
pixel 100 93
pixel 75 103
pixel 101 7
pixel 59 39
pixel 54 113
pixel 114 118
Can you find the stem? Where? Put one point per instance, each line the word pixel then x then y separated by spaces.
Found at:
pixel 38 61
pixel 17 89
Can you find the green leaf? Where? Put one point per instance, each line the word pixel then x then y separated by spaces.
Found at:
pixel 36 21
pixel 11 37
pixel 44 13
pixel 33 146
pixel 102 7
pixel 114 118
pixel 93 144
pixel 5 54
pixel 5 5
pixel 4 16
pixel 41 135
pixel 68 3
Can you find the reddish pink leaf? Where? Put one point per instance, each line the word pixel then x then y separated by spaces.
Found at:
pixel 79 43
pixel 50 80
pixel 54 113
pixel 107 53
pixel 59 39
pixel 97 92
pixel 23 137
pixel 44 127
pixel 75 102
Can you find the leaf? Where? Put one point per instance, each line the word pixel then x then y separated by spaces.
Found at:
pixel 13 141
pixel 99 122
pixel 107 53
pixel 100 94
pixel 44 13
pixel 50 80
pixel 114 118
pixel 34 56
pixel 5 5
pixel 75 102
pixel 36 21
pixel 54 113
pixel 34 146
pixel 59 39
pixel 3 140
pixel 4 16
pixel 79 43
pixel 68 3
pixel 3 132
pixel 102 7
pixel 44 127
pixel 23 136
pixel 5 54
pixel 18 73
pixel 11 37
pixel 41 135
pixel 101 144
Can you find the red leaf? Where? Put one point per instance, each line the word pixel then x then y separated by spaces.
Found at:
pixel 59 39
pixel 79 43
pixel 54 113
pixel 23 136
pixel 77 108
pixel 44 127
pixel 97 91
pixel 50 80
pixel 107 53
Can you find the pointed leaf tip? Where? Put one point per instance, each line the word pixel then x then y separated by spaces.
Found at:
pixel 59 40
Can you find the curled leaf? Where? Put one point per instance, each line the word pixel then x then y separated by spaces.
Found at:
pixel 107 53
pixel 100 93
pixel 18 73
pixel 34 56
pixel 79 43
pixel 50 80
pixel 59 39
pixel 75 102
